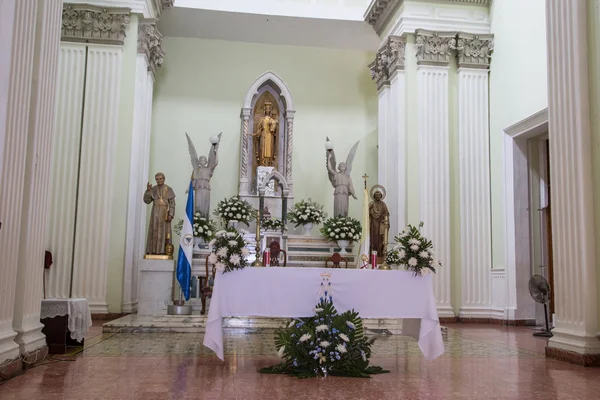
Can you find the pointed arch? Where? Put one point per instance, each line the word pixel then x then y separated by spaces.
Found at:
pixel 265 78
pixel 278 177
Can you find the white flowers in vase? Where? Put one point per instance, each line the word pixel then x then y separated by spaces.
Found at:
pixel 307 212
pixel 342 228
pixel 414 251
pixel 235 209
pixel 228 251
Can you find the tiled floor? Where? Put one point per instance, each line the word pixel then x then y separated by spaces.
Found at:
pixel 480 362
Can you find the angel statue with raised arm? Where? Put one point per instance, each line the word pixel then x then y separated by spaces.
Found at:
pixel 340 179
pixel 203 171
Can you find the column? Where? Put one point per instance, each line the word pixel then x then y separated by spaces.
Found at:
pixel 16 74
pixel 28 296
pixel 289 123
pixel 474 174
pixel 433 59
pixel 388 72
pixel 571 174
pixel 80 195
pixel 150 57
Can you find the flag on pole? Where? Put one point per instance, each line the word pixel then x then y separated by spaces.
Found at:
pixel 186 246
pixel 365 240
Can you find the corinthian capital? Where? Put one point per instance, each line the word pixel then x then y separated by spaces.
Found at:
pixel 150 44
pixel 433 48
pixel 91 24
pixel 389 59
pixel 474 51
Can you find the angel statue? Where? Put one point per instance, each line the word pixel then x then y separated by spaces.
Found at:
pixel 340 179
pixel 203 171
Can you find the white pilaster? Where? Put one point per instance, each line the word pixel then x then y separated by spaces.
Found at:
pixel 16 78
pixel 65 167
pixel 149 42
pixel 382 133
pixel 433 59
pixel 398 177
pixel 100 114
pixel 26 319
pixel 573 235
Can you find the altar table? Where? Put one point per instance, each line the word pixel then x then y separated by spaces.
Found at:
pixel 294 292
pixel 66 322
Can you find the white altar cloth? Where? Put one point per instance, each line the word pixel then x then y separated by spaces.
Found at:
pixel 294 292
pixel 80 318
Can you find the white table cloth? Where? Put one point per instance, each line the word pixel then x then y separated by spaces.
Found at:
pixel 78 310
pixel 294 292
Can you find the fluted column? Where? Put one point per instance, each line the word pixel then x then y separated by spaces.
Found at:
pixel 26 320
pixel 149 58
pixel 433 58
pixel 474 174
pixel 388 72
pixel 15 79
pixel 571 176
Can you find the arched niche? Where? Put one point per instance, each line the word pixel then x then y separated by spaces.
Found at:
pixel 271 86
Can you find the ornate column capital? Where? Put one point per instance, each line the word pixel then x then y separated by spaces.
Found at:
pixel 433 48
pixel 474 51
pixel 90 24
pixel 166 3
pixel 150 44
pixel 389 59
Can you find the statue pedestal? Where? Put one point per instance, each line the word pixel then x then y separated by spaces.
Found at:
pixel 156 286
pixel 261 174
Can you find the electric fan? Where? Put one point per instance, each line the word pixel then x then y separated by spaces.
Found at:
pixel 540 291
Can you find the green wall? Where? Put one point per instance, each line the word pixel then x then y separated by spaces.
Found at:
pixel 201 88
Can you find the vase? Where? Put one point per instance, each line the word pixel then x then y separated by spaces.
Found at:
pixel 198 242
pixel 234 224
pixel 307 228
pixel 343 244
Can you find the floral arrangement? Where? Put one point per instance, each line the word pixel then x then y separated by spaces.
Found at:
pixel 342 228
pixel 271 223
pixel 307 212
pixel 235 209
pixel 413 251
pixel 203 227
pixel 326 344
pixel 228 251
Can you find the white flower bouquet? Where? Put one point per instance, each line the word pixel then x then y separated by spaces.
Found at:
pixel 307 212
pixel 204 228
pixel 342 228
pixel 413 251
pixel 235 209
pixel 228 251
pixel 271 224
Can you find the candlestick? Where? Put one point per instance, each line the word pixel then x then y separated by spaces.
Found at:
pixel 257 262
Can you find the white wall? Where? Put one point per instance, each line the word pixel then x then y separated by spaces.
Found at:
pixel 518 89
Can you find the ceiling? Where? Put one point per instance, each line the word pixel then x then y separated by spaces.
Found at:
pixel 257 28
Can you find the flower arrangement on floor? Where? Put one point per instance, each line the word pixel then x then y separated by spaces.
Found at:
pixel 342 228
pixel 235 209
pixel 204 228
pixel 307 212
pixel 228 251
pixel 271 224
pixel 325 344
pixel 414 251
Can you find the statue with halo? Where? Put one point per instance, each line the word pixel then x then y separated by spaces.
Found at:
pixel 379 220
pixel 203 172
pixel 340 179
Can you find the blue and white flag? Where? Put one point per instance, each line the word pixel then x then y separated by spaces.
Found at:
pixel 186 246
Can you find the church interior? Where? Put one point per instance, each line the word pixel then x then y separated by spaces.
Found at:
pixel 204 196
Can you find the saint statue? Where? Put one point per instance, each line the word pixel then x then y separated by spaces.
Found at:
pixel 162 198
pixel 266 138
pixel 340 179
pixel 203 172
pixel 378 220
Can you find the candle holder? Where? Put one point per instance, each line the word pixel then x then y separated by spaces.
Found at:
pixel 257 262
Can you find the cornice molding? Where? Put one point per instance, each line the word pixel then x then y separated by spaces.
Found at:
pixel 433 48
pixel 379 12
pixel 474 51
pixel 390 59
pixel 86 23
pixel 150 44
pixel 149 9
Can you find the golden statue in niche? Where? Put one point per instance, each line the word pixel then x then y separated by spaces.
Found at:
pixel 265 134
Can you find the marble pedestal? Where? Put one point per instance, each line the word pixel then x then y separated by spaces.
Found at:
pixel 156 286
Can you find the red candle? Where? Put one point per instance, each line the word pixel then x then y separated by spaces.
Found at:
pixel 373 259
pixel 267 258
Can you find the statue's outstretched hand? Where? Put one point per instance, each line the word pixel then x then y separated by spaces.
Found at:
pixel 148 186
pixel 354 197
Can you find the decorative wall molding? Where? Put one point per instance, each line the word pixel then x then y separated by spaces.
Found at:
pixel 380 12
pixel 389 60
pixel 150 44
pixel 91 24
pixel 474 51
pixel 147 8
pixel 433 48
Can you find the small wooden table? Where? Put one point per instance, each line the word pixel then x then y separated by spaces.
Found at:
pixel 66 321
